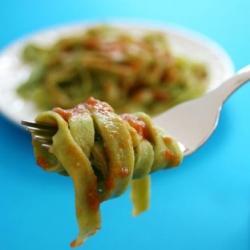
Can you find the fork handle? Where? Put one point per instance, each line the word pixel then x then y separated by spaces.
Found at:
pixel 229 86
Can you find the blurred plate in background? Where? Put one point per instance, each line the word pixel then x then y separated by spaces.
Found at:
pixel 182 42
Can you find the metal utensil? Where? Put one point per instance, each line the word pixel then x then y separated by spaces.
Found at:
pixel 193 122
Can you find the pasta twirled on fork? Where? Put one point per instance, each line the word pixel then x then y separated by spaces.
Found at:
pixel 104 153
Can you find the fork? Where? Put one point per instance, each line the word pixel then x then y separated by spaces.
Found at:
pixel 42 132
pixel 191 123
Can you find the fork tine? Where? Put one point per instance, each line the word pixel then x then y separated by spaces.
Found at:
pixel 42 132
pixel 46 146
pixel 36 125
pixel 43 139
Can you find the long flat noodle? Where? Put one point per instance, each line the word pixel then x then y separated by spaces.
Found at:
pixel 82 129
pixel 99 158
pixel 140 194
pixel 173 153
pixel 44 158
pixel 78 166
pixel 143 153
pixel 144 158
pixel 162 149
pixel 119 150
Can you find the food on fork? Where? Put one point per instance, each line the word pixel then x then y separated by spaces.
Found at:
pixel 132 70
pixel 104 153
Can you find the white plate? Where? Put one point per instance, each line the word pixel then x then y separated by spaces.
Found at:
pixel 183 42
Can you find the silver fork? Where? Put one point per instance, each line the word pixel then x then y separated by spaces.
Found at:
pixel 193 122
pixel 42 132
pixel 190 123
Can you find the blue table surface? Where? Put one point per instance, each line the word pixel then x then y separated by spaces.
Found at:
pixel 203 204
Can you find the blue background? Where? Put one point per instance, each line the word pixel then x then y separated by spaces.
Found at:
pixel 203 204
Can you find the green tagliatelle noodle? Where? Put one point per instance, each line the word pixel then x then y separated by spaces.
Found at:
pixel 104 153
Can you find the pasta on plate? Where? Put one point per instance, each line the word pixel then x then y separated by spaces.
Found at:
pixel 132 71
pixel 104 153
